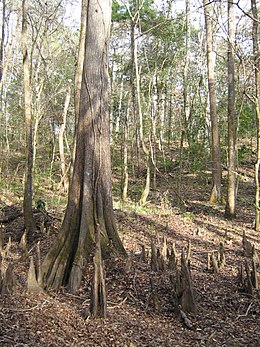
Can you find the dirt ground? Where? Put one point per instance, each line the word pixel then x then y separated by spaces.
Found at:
pixel 226 315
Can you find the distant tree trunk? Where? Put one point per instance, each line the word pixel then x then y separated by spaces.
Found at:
pixel 125 176
pixel 133 86
pixel 64 173
pixel 134 82
pixel 27 202
pixel 186 102
pixel 136 96
pixel 170 121
pixel 2 41
pixel 146 190
pixel 186 99
pixel 89 207
pixel 256 102
pixel 146 151
pixel 230 210
pixel 38 117
pixel 2 100
pixel 215 196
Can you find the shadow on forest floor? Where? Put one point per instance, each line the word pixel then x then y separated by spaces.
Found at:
pixel 226 316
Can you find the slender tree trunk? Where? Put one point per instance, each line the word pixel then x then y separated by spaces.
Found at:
pixel 64 172
pixel 255 35
pixel 215 196
pixel 230 210
pixel 125 175
pixel 38 117
pixel 141 128
pixel 170 116
pixel 133 89
pixel 27 203
pixel 2 100
pixel 186 103
pixel 146 190
pixel 138 97
pixel 180 159
pixel 5 58
pixel 6 124
pixel 2 41
pixel 89 205
pixel 124 147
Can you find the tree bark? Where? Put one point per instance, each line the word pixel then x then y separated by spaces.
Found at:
pixel 215 196
pixel 256 102
pixel 27 202
pixel 230 210
pixel 125 176
pixel 2 41
pixel 64 172
pixel 146 191
pixel 38 114
pixel 79 71
pixel 80 61
pixel 98 304
pixel 90 194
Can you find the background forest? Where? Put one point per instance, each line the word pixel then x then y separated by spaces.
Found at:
pixel 160 115
pixel 185 152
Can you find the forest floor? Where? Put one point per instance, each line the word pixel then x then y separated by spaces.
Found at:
pixel 226 316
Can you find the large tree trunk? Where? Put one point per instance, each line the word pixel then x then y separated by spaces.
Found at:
pixel 215 196
pixel 90 194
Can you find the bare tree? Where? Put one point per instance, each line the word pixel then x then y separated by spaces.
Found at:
pixel 89 210
pixel 230 210
pixel 27 202
pixel 256 102
pixel 215 196
pixel 2 40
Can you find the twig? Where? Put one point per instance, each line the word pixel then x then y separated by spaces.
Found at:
pixel 247 311
pixel 117 305
pixel 139 302
pixel 134 284
pixel 75 296
pixel 211 335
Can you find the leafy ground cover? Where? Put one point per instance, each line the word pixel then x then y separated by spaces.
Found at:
pixel 225 315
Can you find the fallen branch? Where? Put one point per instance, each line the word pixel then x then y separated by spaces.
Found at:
pixel 118 305
pixel 247 311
